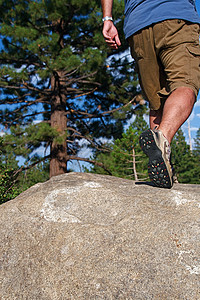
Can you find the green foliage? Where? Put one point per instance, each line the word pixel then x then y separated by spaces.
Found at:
pixel 186 163
pixel 122 152
pixel 22 141
pixel 8 190
pixel 13 182
pixel 7 175
pixel 197 144
pixel 38 173
pixel 118 159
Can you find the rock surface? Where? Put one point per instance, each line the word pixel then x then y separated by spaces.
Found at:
pixel 86 236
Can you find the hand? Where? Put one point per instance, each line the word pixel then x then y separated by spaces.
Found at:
pixel 110 34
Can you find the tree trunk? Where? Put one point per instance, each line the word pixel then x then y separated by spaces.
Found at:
pixel 189 134
pixel 134 166
pixel 58 162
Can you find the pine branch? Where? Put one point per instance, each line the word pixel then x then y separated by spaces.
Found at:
pixel 87 93
pixel 15 100
pixel 31 165
pixel 22 61
pixel 94 144
pixel 23 86
pixel 40 29
pixel 90 161
pixel 99 115
pixel 80 79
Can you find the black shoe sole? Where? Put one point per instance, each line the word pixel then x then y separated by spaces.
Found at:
pixel 157 168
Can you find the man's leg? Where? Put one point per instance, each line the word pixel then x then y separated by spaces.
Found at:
pixel 155 143
pixel 176 111
pixel 155 117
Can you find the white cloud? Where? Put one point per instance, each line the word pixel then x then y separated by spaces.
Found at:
pixel 194 128
pixel 85 152
pixel 197 103
pixel 37 121
pixel 41 151
pixel 191 117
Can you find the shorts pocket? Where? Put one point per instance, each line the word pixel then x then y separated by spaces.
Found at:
pixel 194 65
pixel 136 45
pixel 194 50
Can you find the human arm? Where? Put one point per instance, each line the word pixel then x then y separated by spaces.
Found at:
pixel 110 32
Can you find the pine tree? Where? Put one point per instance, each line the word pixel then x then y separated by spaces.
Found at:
pixel 123 157
pixel 56 67
pixel 197 144
pixel 13 180
pixel 8 166
pixel 186 164
pixel 118 159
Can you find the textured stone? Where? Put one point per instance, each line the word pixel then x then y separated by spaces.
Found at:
pixel 86 236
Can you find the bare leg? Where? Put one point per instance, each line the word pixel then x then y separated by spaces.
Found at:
pixel 155 117
pixel 176 111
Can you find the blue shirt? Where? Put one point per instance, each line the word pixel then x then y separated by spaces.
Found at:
pixel 142 13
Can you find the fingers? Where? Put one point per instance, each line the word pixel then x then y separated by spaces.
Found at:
pixel 117 40
pixel 111 43
pixel 111 36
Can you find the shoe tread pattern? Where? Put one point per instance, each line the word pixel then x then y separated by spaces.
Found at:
pixel 157 169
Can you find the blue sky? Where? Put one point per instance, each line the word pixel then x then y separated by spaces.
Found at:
pixel 198 5
pixel 194 119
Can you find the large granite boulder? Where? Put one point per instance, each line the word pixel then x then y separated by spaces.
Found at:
pixel 86 236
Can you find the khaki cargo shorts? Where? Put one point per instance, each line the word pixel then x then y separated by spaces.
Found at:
pixel 167 56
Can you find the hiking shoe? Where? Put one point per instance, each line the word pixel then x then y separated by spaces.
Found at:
pixel 157 148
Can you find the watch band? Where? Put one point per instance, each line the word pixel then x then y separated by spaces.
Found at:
pixel 107 18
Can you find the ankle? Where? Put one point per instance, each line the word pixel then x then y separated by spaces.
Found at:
pixel 165 134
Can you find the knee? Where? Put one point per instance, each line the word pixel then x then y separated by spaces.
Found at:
pixel 187 93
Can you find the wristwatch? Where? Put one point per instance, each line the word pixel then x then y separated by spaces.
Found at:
pixel 107 18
